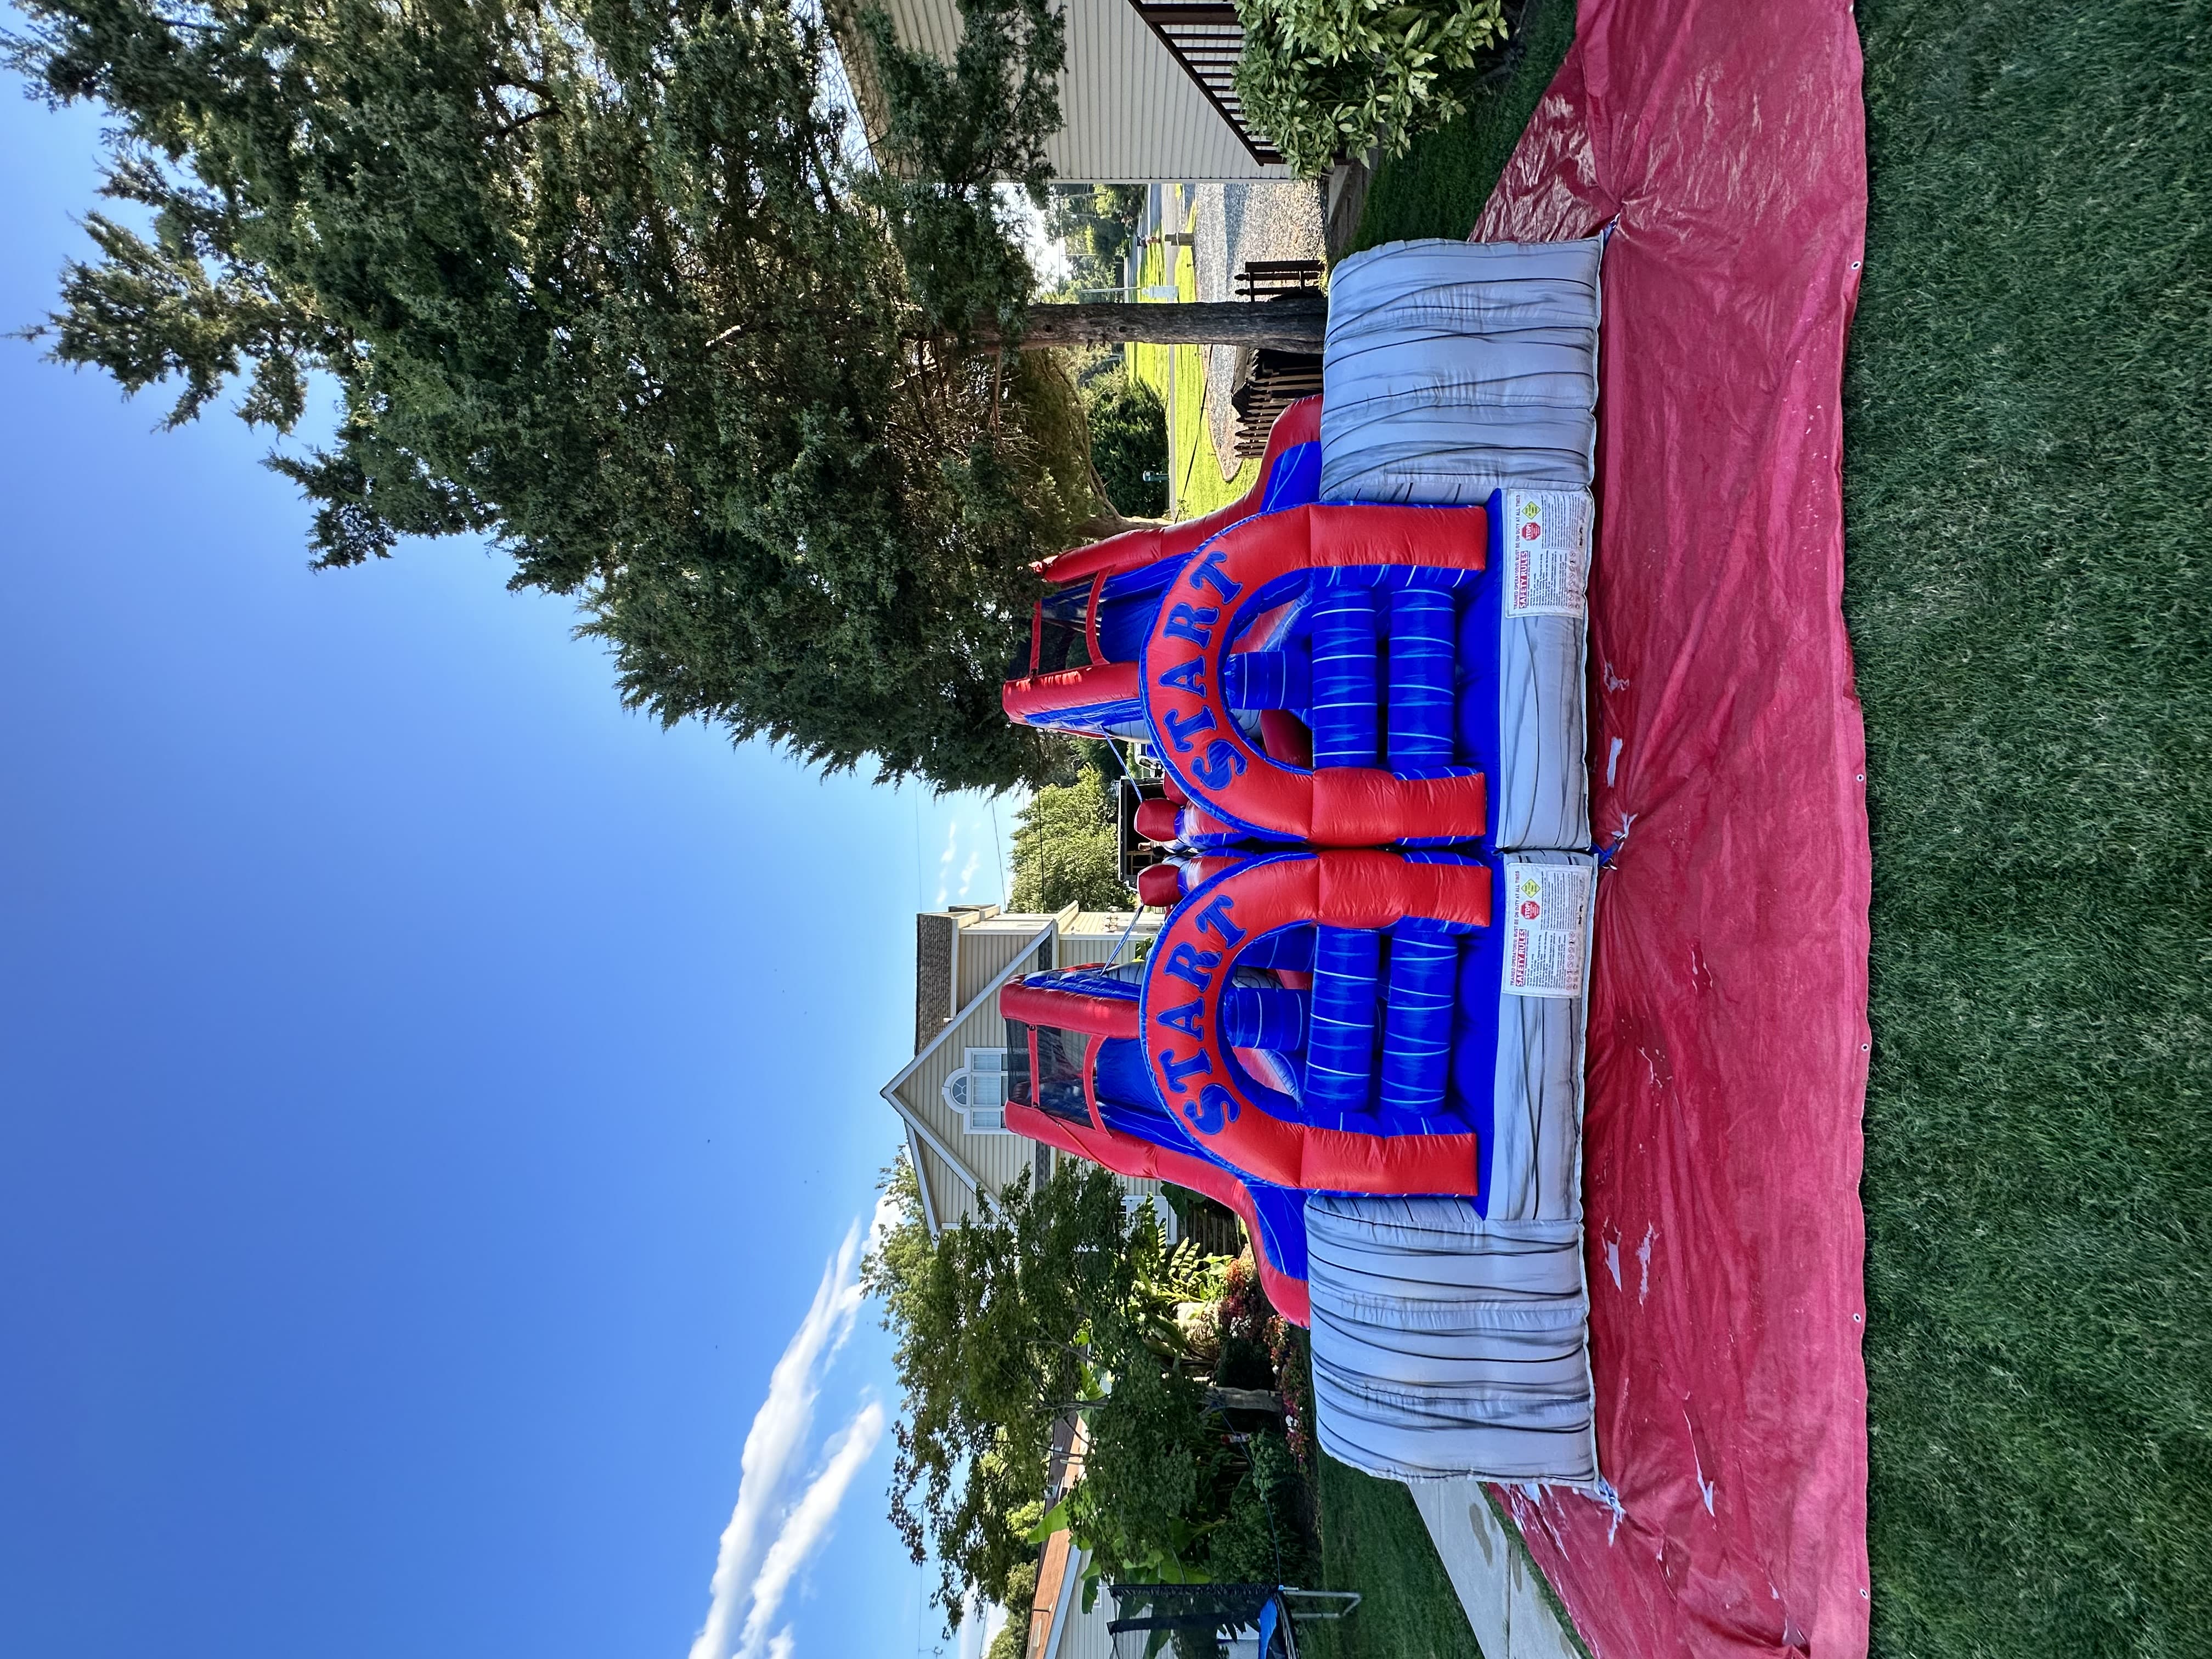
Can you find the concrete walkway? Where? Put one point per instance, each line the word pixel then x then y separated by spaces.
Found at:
pixel 1496 1585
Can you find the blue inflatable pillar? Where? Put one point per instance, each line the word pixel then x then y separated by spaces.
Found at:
pixel 1344 677
pixel 1417 1025
pixel 1420 714
pixel 1263 1017
pixel 1340 1044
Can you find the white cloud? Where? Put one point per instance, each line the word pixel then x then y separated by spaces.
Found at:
pixel 804 1529
pixel 775 1450
pixel 881 1220
pixel 968 871
pixel 944 862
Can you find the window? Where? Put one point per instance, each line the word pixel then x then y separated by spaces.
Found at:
pixel 1058 1085
pixel 978 1091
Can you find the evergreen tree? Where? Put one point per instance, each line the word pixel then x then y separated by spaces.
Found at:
pixel 607 284
pixel 600 282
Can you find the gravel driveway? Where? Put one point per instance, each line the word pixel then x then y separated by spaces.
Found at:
pixel 1235 222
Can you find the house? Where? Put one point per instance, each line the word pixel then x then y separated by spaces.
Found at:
pixel 949 1099
pixel 1059 1627
pixel 948 1096
pixel 1146 97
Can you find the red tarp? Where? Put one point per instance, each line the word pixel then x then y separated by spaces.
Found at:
pixel 1728 1052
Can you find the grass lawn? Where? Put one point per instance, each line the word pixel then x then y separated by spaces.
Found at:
pixel 1437 187
pixel 1199 488
pixel 2027 426
pixel 1373 1542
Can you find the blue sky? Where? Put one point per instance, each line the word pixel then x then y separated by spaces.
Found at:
pixel 430 1097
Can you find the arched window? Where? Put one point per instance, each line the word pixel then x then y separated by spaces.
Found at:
pixel 978 1092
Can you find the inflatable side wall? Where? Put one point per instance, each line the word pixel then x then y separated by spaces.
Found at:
pixel 1452 370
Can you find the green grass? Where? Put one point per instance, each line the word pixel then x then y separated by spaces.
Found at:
pixel 2027 426
pixel 1373 1542
pixel 1199 485
pixel 1437 187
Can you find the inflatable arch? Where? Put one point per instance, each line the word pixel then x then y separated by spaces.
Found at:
pixel 1338 675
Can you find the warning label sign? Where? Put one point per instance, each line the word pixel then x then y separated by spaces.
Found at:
pixel 1548 547
pixel 1546 927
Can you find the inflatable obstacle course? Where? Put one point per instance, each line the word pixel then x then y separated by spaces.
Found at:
pixel 1362 1024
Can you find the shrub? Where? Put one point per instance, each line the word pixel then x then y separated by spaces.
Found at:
pixel 1129 443
pixel 1327 78
pixel 1267 1535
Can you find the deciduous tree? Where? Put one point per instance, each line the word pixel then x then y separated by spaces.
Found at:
pixel 1066 850
pixel 1128 440
pixel 1045 1303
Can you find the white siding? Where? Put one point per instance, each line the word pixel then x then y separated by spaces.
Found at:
pixel 1084 1634
pixel 994 1159
pixel 985 949
pixel 1130 114
pixel 1096 936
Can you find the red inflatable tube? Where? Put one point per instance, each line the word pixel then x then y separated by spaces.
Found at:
pixel 1090 619
pixel 1126 1155
pixel 1157 821
pixel 1071 1011
pixel 1286 738
pixel 1202 746
pixel 1051 694
pixel 1133 550
pixel 1159 885
pixel 1192 962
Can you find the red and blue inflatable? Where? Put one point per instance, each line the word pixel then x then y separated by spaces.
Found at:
pixel 1361 1024
pixel 1328 1021
pixel 1334 675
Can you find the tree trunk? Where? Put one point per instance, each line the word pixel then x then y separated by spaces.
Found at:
pixel 1283 324
pixel 1111 522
